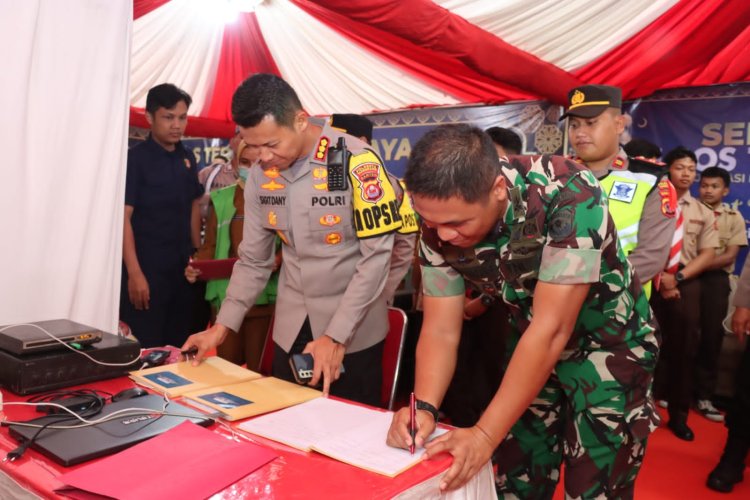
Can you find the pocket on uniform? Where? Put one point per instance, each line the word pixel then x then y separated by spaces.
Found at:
pixel 330 226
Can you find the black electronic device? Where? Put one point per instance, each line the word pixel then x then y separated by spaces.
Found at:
pixel 48 370
pixel 302 367
pixel 155 358
pixel 133 392
pixel 76 445
pixel 40 336
pixel 338 166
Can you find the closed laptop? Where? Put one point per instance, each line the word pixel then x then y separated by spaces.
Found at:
pixel 76 445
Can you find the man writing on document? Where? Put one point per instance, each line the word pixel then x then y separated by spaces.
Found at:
pixel 536 234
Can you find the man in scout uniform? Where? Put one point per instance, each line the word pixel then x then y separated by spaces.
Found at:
pixel 714 187
pixel 641 199
pixel 677 305
pixel 335 212
pixel 535 232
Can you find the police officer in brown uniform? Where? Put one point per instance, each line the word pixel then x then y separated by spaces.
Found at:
pixel 336 213
pixel 641 199
pixel 715 286
pixel 677 305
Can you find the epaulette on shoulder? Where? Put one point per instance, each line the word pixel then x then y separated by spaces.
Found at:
pixel 646 165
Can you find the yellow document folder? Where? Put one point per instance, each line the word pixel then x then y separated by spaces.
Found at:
pixel 253 397
pixel 179 378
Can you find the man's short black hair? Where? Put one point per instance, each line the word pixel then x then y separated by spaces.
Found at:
pixel 678 153
pixel 453 160
pixel 166 96
pixel 642 148
pixel 264 95
pixel 716 172
pixel 506 139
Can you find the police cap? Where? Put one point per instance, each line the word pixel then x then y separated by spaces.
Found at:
pixel 589 101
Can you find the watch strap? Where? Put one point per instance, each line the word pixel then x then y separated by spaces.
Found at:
pixel 424 405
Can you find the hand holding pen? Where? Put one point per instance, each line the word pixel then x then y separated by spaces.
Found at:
pixel 412 421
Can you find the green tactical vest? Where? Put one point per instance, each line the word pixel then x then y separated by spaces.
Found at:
pixel 216 290
pixel 627 192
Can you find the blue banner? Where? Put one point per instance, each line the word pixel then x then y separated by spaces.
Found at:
pixel 713 121
pixel 536 123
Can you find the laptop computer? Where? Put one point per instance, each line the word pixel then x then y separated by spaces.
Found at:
pixel 25 338
pixel 73 446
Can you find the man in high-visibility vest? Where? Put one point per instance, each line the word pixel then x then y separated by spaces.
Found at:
pixel 642 201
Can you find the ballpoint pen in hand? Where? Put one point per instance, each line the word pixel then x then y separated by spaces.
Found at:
pixel 412 421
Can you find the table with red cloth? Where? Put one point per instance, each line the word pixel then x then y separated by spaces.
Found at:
pixel 294 474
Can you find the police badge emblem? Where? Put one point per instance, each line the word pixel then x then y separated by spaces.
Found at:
pixel 368 175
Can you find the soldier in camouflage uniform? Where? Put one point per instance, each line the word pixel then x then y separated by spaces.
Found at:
pixel 536 233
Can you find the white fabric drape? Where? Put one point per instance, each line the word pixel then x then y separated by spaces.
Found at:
pixel 183 47
pixel 63 131
pixel 331 73
pixel 567 33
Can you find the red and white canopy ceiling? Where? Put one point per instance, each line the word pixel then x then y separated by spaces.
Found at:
pixel 360 56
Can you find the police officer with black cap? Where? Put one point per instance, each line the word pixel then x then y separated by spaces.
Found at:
pixel 642 201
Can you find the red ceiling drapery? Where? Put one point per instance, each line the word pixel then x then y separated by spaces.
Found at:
pixel 675 46
pixel 453 54
pixel 696 42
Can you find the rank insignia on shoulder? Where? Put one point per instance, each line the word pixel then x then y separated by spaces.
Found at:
pixel 333 238
pixel 272 218
pixel 321 151
pixel 329 220
pixel 668 198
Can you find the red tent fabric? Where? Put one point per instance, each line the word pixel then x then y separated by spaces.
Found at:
pixel 404 53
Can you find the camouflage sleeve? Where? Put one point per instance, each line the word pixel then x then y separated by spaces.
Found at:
pixel 576 232
pixel 439 279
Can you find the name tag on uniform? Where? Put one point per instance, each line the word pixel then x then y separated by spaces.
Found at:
pixel 623 191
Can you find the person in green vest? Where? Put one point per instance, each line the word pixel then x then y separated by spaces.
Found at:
pixel 223 236
pixel 642 200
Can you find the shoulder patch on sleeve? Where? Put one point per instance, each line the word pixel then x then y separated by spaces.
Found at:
pixel 668 196
pixel 374 202
pixel 410 224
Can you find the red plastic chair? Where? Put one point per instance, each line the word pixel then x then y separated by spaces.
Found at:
pixel 266 357
pixel 392 351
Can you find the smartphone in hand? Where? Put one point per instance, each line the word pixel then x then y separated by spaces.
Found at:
pixel 302 367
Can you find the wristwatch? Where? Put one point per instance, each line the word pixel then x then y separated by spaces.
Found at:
pixel 679 277
pixel 424 405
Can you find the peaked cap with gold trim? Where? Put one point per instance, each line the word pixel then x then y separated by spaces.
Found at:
pixel 589 101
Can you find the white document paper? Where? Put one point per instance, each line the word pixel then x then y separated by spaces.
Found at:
pixel 344 431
